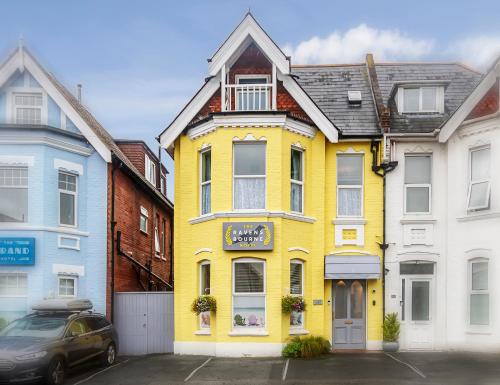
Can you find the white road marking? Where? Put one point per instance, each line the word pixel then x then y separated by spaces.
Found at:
pixel 285 370
pixel 408 365
pixel 198 368
pixel 99 372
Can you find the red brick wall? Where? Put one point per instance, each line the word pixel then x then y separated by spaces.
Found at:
pixel 129 197
pixel 135 152
pixel 488 105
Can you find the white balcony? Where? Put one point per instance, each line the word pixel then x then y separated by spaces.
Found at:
pixel 248 97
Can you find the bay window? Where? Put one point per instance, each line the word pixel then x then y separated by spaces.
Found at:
pixel 206 181
pixel 417 184
pixel 297 181
pixel 14 194
pixel 67 199
pixel 249 178
pixel 349 185
pixel 249 294
pixel 479 298
pixel 479 179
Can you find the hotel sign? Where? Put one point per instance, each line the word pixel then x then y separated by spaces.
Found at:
pixel 248 235
pixel 17 251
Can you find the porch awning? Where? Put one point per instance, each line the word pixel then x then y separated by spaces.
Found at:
pixel 352 267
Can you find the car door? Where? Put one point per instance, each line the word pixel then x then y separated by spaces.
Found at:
pixel 78 342
pixel 97 334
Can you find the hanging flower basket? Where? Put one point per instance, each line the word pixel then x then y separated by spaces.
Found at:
pixel 292 304
pixel 204 303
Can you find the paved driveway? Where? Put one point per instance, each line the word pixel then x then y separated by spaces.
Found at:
pixel 338 369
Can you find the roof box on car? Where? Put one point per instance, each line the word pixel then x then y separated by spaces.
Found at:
pixel 63 305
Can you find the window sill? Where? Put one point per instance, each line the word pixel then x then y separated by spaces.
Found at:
pixel 478 331
pixel 349 221
pixel 478 216
pixel 251 213
pixel 424 218
pixel 203 332
pixel 298 332
pixel 248 332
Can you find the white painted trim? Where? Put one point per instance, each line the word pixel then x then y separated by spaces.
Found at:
pixel 203 332
pixel 353 251
pixel 252 121
pixel 251 214
pixel 250 332
pixel 299 249
pixel 61 246
pixel 349 221
pixel 71 270
pixel 17 160
pixel 26 227
pixel 51 142
pixel 203 250
pixel 228 349
pixel 248 28
pixel 298 332
pixel 477 217
pixel 68 166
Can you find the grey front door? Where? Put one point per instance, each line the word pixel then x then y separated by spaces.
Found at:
pixel 349 314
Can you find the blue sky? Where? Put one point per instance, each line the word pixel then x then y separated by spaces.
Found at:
pixel 140 61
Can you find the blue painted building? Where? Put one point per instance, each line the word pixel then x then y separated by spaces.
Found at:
pixel 53 191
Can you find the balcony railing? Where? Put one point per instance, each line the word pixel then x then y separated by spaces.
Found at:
pixel 248 97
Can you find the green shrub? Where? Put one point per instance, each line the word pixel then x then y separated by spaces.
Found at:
pixel 391 327
pixel 204 303
pixel 306 347
pixel 291 303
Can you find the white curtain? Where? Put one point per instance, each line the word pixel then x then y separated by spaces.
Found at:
pixel 349 202
pixel 296 197
pixel 249 193
pixel 205 198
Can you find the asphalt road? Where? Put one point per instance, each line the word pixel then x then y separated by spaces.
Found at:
pixel 433 368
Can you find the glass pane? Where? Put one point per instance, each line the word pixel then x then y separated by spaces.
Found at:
pixel 205 198
pixel 296 197
pixel 252 81
pixel 249 193
pixel 13 204
pixel 67 209
pixel 480 276
pixel 248 277
pixel 249 311
pixel 67 182
pixel 417 199
pixel 356 300
pixel 403 299
pixel 296 171
pixel 411 99
pixel 250 159
pixel 429 99
pixel 340 300
pixel 205 279
pixel 418 169
pixel 416 268
pixel 206 160
pixel 13 177
pixel 420 300
pixel 479 309
pixel 479 196
pixel 349 202
pixel 296 278
pixel 349 170
pixel 480 164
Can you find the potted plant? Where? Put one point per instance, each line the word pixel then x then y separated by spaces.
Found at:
pixel 203 306
pixel 391 333
pixel 294 306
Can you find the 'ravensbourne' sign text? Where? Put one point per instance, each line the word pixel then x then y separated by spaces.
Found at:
pixel 248 235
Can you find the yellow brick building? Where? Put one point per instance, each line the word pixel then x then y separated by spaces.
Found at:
pixel 274 198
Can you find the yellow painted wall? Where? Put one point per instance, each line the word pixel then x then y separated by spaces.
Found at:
pixel 316 237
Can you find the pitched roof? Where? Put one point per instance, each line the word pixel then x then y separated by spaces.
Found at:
pixel 458 80
pixel 328 85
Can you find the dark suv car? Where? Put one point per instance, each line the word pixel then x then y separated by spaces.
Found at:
pixel 57 336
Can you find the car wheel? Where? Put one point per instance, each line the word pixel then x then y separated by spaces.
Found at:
pixel 109 357
pixel 55 372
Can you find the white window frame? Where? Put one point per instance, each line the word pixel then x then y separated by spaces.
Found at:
pixel 234 294
pixel 298 182
pixel 360 187
pixel 17 274
pixel 428 185
pixel 7 166
pixel 486 206
pixel 150 169
pixel 250 176
pixel 439 99
pixel 75 286
pixel 237 79
pixel 163 245
pixel 157 237
pixel 143 214
pixel 209 182
pixel 163 183
pixel 297 262
pixel 11 105
pixel 205 263
pixel 74 193
pixel 470 292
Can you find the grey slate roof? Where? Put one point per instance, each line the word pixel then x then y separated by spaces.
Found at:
pixel 459 81
pixel 327 85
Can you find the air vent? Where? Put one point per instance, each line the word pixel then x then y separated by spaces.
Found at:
pixel 354 98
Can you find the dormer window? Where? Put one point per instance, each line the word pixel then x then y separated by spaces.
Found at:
pixel 420 99
pixel 150 170
pixel 27 108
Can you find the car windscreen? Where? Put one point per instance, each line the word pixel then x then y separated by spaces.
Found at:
pixel 40 327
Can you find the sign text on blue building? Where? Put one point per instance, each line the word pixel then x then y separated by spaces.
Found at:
pixel 17 251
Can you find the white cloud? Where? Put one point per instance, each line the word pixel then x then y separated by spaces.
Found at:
pixel 478 52
pixel 355 43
